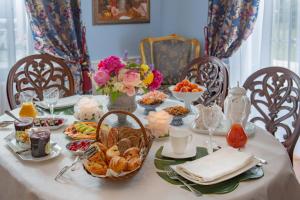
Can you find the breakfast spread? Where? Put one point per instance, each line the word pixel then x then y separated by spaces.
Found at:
pixel 84 130
pixel 177 110
pixel 187 86
pixel 153 97
pixel 119 152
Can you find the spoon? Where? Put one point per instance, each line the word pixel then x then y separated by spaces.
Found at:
pixel 12 115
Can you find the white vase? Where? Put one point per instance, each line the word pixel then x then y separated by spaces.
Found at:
pixel 124 103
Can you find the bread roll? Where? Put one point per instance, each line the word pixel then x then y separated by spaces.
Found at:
pixel 98 168
pixel 111 152
pixel 133 163
pixel 132 152
pixel 112 137
pixel 123 145
pixel 118 164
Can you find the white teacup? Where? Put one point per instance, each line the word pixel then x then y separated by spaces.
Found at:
pixel 179 141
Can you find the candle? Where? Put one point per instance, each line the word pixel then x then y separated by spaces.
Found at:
pixel 158 122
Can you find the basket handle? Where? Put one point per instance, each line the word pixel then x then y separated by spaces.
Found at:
pixel 125 113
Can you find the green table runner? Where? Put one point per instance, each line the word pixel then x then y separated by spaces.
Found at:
pixel 162 162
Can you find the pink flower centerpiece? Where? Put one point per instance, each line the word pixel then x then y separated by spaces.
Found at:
pixel 116 77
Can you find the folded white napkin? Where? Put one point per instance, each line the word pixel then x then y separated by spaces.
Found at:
pixel 216 165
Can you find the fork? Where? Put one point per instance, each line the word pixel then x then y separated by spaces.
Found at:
pixel 86 154
pixel 66 168
pixel 173 175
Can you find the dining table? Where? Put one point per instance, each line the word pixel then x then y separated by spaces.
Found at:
pixel 28 180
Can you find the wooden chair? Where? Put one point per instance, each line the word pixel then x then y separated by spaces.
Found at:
pixel 212 73
pixel 169 54
pixel 36 73
pixel 275 95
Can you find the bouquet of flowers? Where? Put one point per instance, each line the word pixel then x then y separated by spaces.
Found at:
pixel 115 76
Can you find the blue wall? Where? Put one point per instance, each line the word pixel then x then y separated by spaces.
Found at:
pixel 185 17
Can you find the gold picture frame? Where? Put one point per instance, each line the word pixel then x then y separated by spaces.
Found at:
pixel 121 11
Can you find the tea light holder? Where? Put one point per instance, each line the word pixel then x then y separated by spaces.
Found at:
pixel 159 123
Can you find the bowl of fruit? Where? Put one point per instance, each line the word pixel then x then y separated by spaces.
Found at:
pixel 187 91
pixel 78 147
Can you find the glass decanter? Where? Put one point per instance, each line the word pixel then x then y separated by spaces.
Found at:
pixel 236 136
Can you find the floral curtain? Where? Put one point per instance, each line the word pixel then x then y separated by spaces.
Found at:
pixel 57 30
pixel 229 23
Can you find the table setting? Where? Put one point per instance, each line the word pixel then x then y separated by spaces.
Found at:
pixel 132 141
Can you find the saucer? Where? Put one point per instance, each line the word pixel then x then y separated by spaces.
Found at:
pixel 168 152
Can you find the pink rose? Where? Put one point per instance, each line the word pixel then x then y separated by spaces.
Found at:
pixel 129 90
pixel 158 79
pixel 101 77
pixel 111 64
pixel 131 78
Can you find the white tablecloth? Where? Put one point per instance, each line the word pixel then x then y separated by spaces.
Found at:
pixel 28 180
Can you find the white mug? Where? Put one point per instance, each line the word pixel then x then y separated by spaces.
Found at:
pixel 179 141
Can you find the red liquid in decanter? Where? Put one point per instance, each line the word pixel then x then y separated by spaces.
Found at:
pixel 236 137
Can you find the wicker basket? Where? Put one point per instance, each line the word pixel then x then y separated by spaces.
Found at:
pixel 145 144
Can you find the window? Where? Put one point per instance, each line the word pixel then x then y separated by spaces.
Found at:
pixel 285 34
pixel 15 35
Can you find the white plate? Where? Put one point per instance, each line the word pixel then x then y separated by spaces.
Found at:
pixel 61 103
pixel 52 127
pixel 168 152
pixel 12 143
pixel 223 129
pixel 251 164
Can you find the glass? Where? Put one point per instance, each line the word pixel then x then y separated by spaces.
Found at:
pixel 211 116
pixel 236 136
pixel 40 142
pixel 51 97
pixel 22 128
pixel 27 107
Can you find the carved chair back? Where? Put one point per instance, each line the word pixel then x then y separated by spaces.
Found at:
pixel 212 73
pixel 36 73
pixel 275 95
pixel 169 54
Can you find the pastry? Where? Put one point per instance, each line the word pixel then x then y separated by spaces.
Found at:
pixel 118 164
pixel 131 152
pixel 99 146
pixel 111 152
pixel 112 137
pixel 133 163
pixel 98 156
pixel 124 144
pixel 98 168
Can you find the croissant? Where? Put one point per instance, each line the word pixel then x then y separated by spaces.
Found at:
pixel 133 163
pixel 118 164
pixel 99 168
pixel 131 152
pixel 111 152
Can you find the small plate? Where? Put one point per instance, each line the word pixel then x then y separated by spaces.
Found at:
pixel 14 146
pixel 53 127
pixel 168 152
pixel 223 129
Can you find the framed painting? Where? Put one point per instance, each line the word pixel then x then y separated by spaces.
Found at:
pixel 121 11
